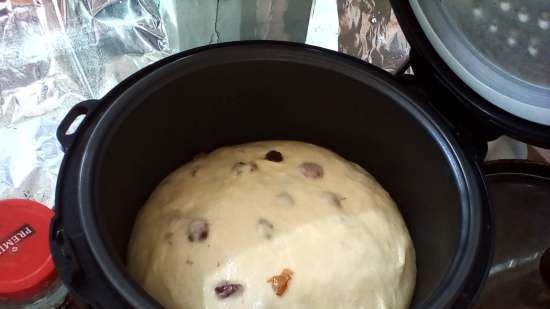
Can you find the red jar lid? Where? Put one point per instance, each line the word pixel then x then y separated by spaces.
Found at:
pixel 26 266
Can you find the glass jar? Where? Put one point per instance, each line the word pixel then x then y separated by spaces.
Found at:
pixel 28 277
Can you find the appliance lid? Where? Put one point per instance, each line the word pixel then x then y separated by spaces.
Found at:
pixel 519 277
pixel 500 49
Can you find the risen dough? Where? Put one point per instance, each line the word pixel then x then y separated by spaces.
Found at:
pixel 217 229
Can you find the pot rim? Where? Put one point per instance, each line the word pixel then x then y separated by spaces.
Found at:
pixel 470 252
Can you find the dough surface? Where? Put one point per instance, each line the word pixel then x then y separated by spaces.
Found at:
pixel 237 227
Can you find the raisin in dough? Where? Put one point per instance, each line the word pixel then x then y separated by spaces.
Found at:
pixel 217 230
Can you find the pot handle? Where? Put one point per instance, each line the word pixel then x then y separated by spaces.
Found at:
pixel 65 133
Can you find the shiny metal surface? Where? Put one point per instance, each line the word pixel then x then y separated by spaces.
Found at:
pixel 369 30
pixel 56 53
pixel 522 215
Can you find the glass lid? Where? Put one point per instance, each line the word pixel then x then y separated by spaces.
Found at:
pixel 500 49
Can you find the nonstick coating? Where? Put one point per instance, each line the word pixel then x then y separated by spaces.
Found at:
pixel 250 92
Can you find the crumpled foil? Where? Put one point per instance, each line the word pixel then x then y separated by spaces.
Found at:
pixel 366 29
pixel 56 53
pixel 369 30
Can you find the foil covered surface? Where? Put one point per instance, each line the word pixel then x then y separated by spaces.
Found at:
pixel 369 30
pixel 56 53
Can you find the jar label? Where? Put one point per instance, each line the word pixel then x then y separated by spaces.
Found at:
pixel 10 244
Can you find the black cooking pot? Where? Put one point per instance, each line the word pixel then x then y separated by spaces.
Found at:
pixel 227 94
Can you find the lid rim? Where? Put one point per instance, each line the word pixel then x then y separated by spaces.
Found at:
pixel 519 167
pixel 437 71
pixel 509 99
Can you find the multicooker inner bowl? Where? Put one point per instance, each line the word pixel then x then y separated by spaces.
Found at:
pixel 228 94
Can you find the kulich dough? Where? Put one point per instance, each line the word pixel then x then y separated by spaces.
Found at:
pixel 268 225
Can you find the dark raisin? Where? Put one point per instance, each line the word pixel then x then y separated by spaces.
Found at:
pixel 188 262
pixel 226 289
pixel 274 156
pixel 198 230
pixel 265 228
pixel 311 170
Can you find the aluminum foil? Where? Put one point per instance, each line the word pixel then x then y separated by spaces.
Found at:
pixel 366 29
pixel 369 30
pixel 56 53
